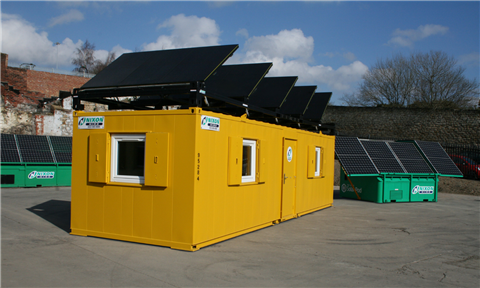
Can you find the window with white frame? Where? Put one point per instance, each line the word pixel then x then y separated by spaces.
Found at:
pixel 249 160
pixel 128 158
pixel 317 161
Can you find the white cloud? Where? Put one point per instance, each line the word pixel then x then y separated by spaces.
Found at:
pixel 242 32
pixel 408 37
pixel 72 16
pixel 469 59
pixel 291 51
pixel 187 31
pixel 286 44
pixel 24 44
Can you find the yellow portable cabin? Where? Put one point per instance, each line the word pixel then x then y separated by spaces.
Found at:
pixel 193 176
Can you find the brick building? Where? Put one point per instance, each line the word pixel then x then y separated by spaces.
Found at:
pixel 27 104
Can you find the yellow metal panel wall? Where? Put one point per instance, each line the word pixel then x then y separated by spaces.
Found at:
pixel 234 160
pixel 225 209
pixel 157 156
pixel 95 209
pixel 262 161
pixel 316 192
pixel 97 157
pixel 137 212
pixel 183 169
pixel 196 204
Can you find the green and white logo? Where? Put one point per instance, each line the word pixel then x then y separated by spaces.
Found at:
pixel 41 175
pixel 89 122
pixel 423 189
pixel 210 123
pixel 289 154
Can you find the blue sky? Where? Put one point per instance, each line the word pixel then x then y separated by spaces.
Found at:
pixel 328 44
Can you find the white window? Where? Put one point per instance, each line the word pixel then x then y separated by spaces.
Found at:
pixel 317 161
pixel 249 158
pixel 128 158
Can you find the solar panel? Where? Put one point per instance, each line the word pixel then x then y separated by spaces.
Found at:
pixel 297 100
pixel 62 148
pixel 357 164
pixel 377 149
pixel 162 67
pixel 9 148
pixel 410 158
pixel 353 156
pixel 382 157
pixel 405 150
pixel 34 148
pixel 317 106
pixel 439 159
pixel 348 145
pixel 271 92
pixel 236 81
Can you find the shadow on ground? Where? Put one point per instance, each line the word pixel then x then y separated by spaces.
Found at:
pixel 56 212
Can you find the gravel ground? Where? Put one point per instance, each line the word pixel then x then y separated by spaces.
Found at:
pixel 446 185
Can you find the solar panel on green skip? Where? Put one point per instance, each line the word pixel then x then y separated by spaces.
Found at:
pixel 9 149
pixel 438 158
pixel 410 158
pixel 162 67
pixel 382 156
pixel 34 148
pixel 353 157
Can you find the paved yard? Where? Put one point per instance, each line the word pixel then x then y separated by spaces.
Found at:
pixel 352 244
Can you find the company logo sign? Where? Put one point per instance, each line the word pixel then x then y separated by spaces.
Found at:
pixel 349 188
pixel 41 175
pixel 210 123
pixel 289 154
pixel 422 190
pixel 89 122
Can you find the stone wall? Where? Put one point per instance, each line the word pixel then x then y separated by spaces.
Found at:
pixel 445 126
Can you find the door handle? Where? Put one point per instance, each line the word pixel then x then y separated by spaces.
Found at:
pixel 284 178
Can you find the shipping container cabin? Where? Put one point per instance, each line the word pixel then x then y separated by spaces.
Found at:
pixel 193 176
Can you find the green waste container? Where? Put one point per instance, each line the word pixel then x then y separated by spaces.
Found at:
pixel 13 175
pixel 390 187
pixel 35 174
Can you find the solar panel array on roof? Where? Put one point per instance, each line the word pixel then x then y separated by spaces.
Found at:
pixel 36 149
pixel 9 149
pixel 317 106
pixel 162 67
pixel 237 81
pixel 297 100
pixel 439 159
pixel 271 92
pixel 353 157
pixel 196 77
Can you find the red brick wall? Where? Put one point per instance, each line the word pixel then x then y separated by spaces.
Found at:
pixel 37 81
pixel 50 83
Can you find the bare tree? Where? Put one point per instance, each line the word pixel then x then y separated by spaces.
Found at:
pixel 85 59
pixel 422 80
pixel 440 82
pixel 100 65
